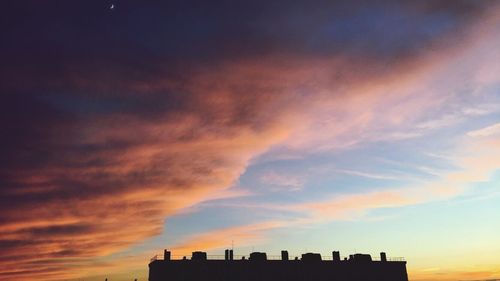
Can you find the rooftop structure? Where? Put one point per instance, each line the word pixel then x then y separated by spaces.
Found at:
pixel 261 267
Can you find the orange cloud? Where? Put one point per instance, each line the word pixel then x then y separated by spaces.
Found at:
pixel 351 205
pixel 439 274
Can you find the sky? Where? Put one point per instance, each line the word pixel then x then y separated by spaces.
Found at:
pixel 129 127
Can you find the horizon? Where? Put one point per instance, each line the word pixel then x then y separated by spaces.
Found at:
pixel 310 126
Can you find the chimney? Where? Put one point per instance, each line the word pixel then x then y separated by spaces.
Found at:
pixel 166 255
pixel 336 255
pixel 383 257
pixel 231 255
pixel 284 255
pixel 226 254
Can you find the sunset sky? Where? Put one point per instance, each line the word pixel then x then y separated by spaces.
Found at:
pixel 309 126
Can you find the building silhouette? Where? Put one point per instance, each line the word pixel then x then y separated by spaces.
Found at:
pixel 259 267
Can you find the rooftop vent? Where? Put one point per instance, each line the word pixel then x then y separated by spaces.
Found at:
pixel 258 256
pixel 311 257
pixel 199 256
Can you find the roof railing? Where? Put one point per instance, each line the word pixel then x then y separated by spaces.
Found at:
pixel 269 257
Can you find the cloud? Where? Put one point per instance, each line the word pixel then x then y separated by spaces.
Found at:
pixel 352 206
pixel 112 124
pixel 476 162
pixel 366 175
pixel 443 274
pixel 485 132
pixel 100 202
pixel 281 181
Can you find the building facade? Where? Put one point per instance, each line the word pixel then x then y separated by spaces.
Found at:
pixel 309 267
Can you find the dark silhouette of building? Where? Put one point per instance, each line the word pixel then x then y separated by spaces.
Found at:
pixel 310 267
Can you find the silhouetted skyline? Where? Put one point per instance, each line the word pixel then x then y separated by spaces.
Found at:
pixel 310 266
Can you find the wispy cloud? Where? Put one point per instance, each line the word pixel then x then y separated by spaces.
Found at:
pixel 282 181
pixel 367 175
pixel 486 132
